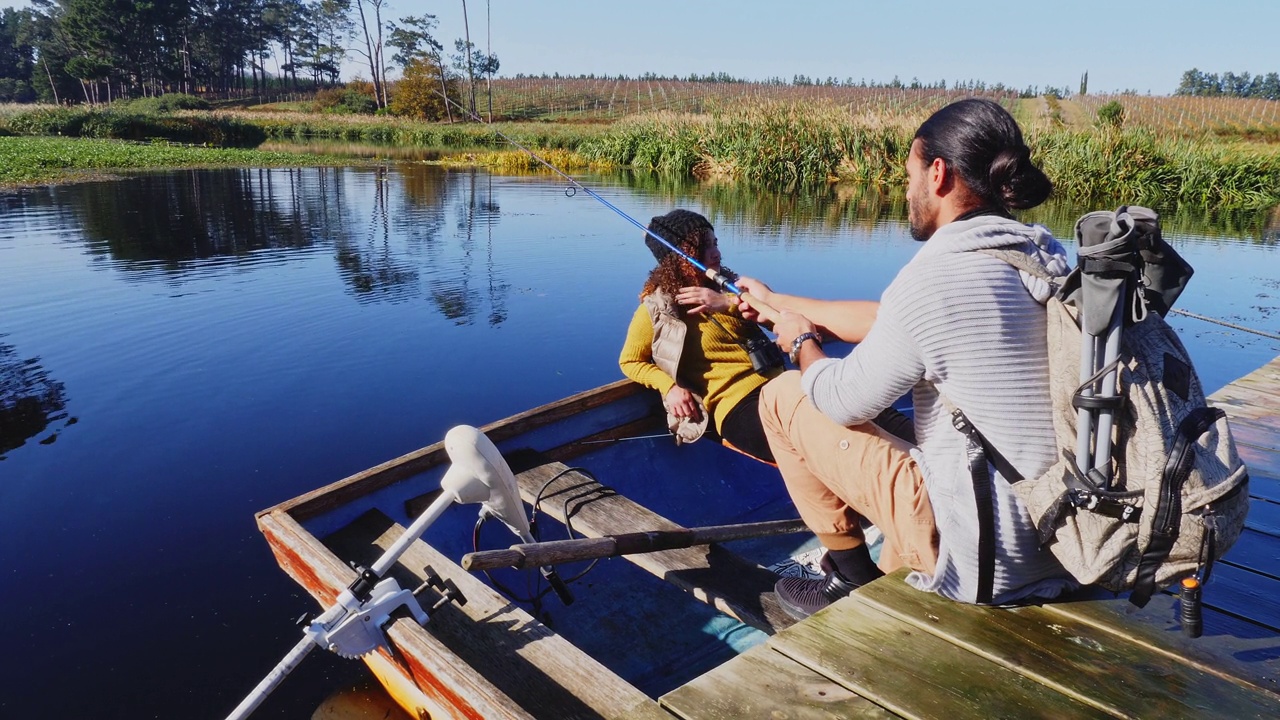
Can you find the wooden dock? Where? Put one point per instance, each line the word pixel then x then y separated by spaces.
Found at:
pixel 890 651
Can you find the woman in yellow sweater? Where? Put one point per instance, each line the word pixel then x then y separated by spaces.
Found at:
pixel 687 341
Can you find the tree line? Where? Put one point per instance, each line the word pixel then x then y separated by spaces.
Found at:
pixel 1229 84
pixel 101 50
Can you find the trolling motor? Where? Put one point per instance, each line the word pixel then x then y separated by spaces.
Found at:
pixel 352 626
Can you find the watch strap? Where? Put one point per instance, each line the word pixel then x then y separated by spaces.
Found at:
pixel 799 342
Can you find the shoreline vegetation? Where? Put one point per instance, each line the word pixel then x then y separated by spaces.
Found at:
pixel 773 143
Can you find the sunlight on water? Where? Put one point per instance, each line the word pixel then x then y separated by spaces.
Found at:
pixel 204 344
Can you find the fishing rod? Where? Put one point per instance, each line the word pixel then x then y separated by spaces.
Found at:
pixel 723 281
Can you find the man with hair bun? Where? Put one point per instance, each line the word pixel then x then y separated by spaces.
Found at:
pixel 958 328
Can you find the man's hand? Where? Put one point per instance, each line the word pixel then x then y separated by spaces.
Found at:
pixel 791 325
pixel 701 300
pixel 757 291
pixel 680 402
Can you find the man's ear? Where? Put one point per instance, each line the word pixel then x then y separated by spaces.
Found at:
pixel 941 179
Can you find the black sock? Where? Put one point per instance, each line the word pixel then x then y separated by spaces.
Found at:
pixel 855 565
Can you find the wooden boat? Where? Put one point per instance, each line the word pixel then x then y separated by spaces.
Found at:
pixel 626 635
pixel 635 632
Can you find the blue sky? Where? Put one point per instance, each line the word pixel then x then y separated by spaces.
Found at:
pixel 1124 44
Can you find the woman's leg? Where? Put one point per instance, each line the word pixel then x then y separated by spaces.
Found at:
pixel 742 429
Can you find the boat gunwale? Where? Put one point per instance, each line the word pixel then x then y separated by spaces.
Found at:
pixel 323 499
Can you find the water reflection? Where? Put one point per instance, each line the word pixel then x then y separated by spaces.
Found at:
pixel 419 231
pixel 29 401
pixel 174 220
pixel 841 206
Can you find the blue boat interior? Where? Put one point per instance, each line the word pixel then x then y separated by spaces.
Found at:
pixel 649 632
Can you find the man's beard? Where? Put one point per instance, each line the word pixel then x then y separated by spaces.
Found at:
pixel 921 228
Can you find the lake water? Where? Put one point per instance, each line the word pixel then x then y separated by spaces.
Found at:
pixel 179 350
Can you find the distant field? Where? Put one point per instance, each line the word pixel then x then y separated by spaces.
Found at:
pixel 581 100
pixel 604 100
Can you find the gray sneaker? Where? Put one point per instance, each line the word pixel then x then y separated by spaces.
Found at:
pixel 801 598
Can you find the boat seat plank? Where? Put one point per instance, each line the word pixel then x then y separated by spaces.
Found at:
pixel 537 669
pixel 915 673
pixel 1077 658
pixel 763 683
pixel 713 574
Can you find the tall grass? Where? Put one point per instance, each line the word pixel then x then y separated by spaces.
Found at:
pixel 790 144
pixel 25 160
pixel 1139 166
pixel 124 123
pixel 780 144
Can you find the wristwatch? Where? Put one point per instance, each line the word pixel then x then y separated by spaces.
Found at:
pixel 799 341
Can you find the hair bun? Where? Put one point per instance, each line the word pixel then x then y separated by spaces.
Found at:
pixel 1017 182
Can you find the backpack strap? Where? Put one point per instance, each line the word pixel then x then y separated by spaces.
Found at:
pixel 1168 511
pixel 981 455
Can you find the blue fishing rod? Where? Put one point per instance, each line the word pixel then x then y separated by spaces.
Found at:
pixel 766 312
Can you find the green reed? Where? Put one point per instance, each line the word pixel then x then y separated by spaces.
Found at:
pixel 25 160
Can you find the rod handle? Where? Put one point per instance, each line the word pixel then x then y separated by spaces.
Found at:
pixel 767 312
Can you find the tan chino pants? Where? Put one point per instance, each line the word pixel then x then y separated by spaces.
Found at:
pixel 837 475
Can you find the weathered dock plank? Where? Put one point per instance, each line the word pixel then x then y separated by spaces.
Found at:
pixel 1257 552
pixel 1079 659
pixel 1231 648
pixel 915 673
pixel 1264 516
pixel 763 683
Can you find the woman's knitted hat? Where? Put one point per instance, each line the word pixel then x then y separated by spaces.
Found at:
pixel 676 227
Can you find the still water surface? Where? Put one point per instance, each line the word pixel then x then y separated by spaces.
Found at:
pixel 180 350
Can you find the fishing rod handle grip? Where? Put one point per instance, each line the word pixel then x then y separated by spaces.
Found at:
pixel 767 312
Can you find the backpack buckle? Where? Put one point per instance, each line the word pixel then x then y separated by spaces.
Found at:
pixel 960 422
pixel 1082 499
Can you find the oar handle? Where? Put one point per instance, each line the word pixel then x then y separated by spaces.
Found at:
pixel 564 551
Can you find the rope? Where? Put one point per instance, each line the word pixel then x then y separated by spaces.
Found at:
pixel 1224 323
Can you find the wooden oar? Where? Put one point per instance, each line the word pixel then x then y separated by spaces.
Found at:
pixel 556 552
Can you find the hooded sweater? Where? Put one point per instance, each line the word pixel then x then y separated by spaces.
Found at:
pixel 967 327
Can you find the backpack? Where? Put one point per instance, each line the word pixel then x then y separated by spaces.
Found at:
pixel 1164 493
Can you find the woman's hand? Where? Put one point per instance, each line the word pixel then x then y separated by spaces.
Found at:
pixel 701 300
pixel 680 402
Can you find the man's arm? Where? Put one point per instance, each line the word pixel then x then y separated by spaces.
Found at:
pixel 847 320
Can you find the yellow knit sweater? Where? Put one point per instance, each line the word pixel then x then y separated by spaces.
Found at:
pixel 712 364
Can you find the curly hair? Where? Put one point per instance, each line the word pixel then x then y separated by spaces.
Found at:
pixel 686 230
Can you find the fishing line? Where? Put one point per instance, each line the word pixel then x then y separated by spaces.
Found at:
pixel 1224 323
pixel 719 278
